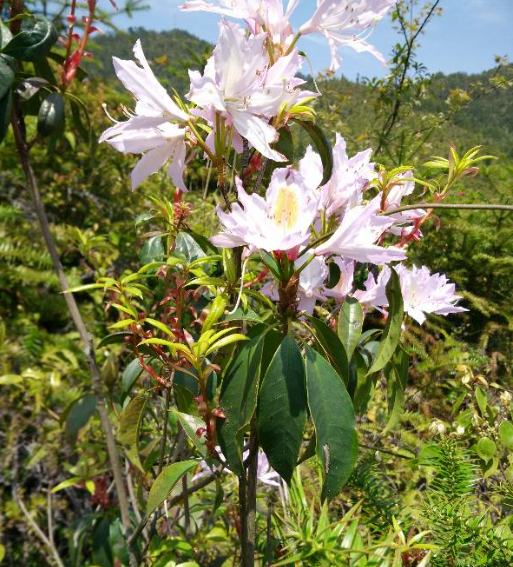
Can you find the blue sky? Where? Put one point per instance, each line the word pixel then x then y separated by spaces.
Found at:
pixel 466 38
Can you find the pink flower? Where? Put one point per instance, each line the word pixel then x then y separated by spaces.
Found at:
pixel 258 14
pixel 281 221
pixel 343 22
pixel 356 237
pixel 345 283
pixel 240 84
pixel 402 188
pixel 150 130
pixel 422 292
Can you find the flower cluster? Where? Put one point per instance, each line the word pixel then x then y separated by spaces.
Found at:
pixel 310 226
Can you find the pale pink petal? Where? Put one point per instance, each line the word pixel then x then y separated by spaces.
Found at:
pixel 150 163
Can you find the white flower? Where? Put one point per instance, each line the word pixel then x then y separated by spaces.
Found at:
pixel 281 221
pixel 150 129
pixel 311 284
pixel 350 176
pixel 345 283
pixel 239 83
pixel 258 14
pixel 343 22
pixel 402 188
pixel 422 292
pixel 355 238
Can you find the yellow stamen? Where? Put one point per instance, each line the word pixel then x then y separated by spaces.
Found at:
pixel 285 210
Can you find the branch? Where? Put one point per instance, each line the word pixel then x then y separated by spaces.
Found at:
pixel 18 125
pixel 37 530
pixel 455 206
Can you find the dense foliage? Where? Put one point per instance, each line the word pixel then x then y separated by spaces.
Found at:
pixel 433 483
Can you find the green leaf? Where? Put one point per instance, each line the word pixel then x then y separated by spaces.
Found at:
pixel 285 145
pixel 165 483
pixel 5 114
pixel 79 415
pixel 238 401
pixel 50 120
pixel 482 400
pixel 187 247
pixel 392 331
pixel 350 324
pixel 322 145
pixel 282 408
pixel 152 250
pixel 364 383
pixel 33 42
pixel 5 35
pixel 161 326
pixel 6 74
pixel 486 449
pixel 333 417
pixel 73 481
pixel 396 373
pixel 506 434
pixel 130 421
pixel 225 341
pixel 113 338
pixel 130 375
pixel 191 424
pixel 216 311
pixel 332 346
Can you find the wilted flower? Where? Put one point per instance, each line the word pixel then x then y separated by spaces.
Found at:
pixel 150 129
pixel 344 22
pixel 422 292
pixel 281 221
pixel 356 237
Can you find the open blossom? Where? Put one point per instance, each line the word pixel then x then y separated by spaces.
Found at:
pixel 258 14
pixel 345 283
pixel 240 84
pixel 422 292
pixel 281 221
pixel 402 188
pixel 356 237
pixel 343 22
pixel 150 130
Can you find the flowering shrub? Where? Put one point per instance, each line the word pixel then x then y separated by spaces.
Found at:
pixel 261 340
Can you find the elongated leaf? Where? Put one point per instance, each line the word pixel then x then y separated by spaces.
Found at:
pixel 5 35
pixel 332 346
pixel 350 325
pixel 5 114
pixel 216 311
pixel 152 250
pixel 78 415
pixel 225 341
pixel 322 145
pixel 33 42
pixel 364 383
pixel 396 372
pixel 165 483
pixel 132 371
pixel 50 120
pixel 113 338
pixel 238 401
pixel 333 417
pixel 6 74
pixel 187 247
pixel 282 408
pixel 191 424
pixel 130 421
pixel 392 331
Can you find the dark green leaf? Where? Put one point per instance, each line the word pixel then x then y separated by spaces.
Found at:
pixel 282 408
pixel 50 120
pixel 364 383
pixel 285 145
pixel 165 483
pixel 130 375
pixel 5 114
pixel 332 346
pixel 152 250
pixel 350 324
pixel 113 338
pixel 188 248
pixel 79 415
pixel 392 331
pixel 333 417
pixel 5 35
pixel 396 373
pixel 34 41
pixel 322 145
pixel 6 74
pixel 238 400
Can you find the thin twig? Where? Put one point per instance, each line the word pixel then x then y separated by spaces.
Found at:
pixel 18 125
pixel 37 530
pixel 454 206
